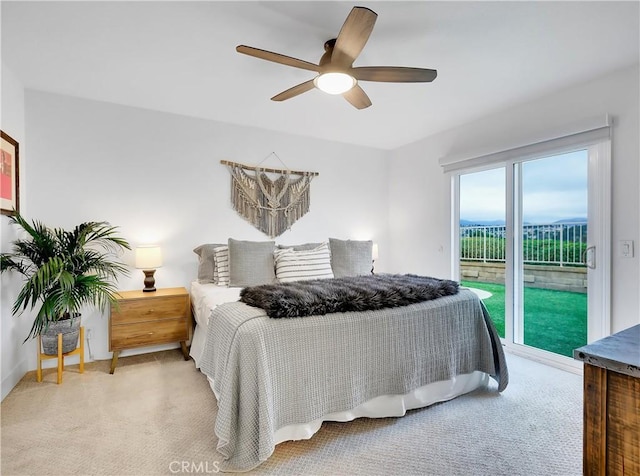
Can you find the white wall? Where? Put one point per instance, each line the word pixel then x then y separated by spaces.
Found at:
pixel 12 330
pixel 420 202
pixel 158 177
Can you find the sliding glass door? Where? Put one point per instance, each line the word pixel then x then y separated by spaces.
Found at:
pixel 526 241
pixel 552 238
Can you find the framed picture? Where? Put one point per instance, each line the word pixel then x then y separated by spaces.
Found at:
pixel 9 175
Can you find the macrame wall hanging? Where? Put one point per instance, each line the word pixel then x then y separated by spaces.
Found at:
pixel 271 205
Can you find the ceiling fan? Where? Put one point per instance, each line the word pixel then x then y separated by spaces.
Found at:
pixel 336 74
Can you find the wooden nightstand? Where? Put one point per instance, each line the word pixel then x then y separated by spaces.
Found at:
pixel 142 319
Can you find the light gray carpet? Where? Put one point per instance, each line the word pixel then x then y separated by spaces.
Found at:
pixel 155 416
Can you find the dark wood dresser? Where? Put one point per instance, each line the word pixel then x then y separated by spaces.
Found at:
pixel 612 404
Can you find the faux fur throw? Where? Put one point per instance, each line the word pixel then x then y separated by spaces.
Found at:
pixel 358 293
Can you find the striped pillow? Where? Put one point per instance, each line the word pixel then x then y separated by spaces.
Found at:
pixel 294 265
pixel 221 270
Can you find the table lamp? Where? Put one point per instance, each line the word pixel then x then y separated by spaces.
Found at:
pixel 148 258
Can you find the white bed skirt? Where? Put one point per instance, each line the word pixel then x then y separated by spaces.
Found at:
pixel 379 407
pixel 197 344
pixel 390 405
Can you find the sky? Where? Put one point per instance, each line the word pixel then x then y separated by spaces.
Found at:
pixel 554 188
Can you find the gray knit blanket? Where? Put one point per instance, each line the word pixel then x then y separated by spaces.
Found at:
pixel 268 373
pixel 358 293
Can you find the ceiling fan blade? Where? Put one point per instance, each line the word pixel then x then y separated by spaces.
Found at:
pixel 353 36
pixel 357 97
pixel 394 74
pixel 277 58
pixel 294 91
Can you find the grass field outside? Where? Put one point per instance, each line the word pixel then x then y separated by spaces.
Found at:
pixel 553 320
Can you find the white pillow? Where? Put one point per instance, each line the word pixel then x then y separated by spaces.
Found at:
pixel 294 265
pixel 221 270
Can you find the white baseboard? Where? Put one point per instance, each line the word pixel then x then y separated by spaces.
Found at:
pixel 135 351
pixel 11 380
pixel 546 358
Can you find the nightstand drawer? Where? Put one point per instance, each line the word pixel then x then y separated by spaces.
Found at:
pixel 143 310
pixel 140 334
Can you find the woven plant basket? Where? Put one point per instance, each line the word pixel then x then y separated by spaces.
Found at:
pixel 70 330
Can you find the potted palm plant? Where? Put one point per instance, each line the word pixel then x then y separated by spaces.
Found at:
pixel 63 271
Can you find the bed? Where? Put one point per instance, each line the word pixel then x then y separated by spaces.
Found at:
pixel 279 379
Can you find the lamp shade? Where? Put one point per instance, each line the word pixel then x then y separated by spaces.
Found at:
pixel 148 257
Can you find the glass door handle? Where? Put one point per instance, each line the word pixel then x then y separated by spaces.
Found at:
pixel 589 257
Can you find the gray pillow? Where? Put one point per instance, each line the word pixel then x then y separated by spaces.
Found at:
pixel 251 263
pixel 303 247
pixel 350 257
pixel 206 262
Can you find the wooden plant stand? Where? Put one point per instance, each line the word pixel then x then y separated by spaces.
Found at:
pixel 60 356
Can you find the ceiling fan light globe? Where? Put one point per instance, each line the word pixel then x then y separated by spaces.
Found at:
pixel 334 83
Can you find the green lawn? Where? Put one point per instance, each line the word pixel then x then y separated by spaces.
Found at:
pixel 554 320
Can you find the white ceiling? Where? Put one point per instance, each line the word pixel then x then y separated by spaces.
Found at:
pixel 180 57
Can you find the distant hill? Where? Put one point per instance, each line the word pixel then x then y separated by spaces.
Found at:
pixel 482 222
pixel 464 222
pixel 572 220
